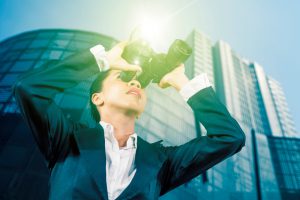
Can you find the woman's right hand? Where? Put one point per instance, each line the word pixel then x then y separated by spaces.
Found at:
pixel 117 62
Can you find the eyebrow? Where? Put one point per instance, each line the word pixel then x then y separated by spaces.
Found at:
pixel 118 72
pixel 115 73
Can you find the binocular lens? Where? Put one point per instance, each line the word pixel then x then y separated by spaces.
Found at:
pixel 154 65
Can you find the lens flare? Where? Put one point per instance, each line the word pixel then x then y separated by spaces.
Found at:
pixel 149 30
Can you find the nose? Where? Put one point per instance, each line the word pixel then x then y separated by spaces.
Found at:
pixel 134 82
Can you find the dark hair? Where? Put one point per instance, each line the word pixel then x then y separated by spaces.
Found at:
pixel 97 87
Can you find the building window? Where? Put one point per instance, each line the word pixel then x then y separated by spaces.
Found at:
pixel 30 54
pixel 39 44
pixel 4 94
pixel 4 66
pixel 8 79
pixel 21 44
pixel 52 55
pixel 60 44
pixel 21 66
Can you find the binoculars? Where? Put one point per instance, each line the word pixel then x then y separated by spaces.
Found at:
pixel 154 65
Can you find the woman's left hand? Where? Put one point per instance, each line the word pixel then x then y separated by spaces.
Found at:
pixel 175 78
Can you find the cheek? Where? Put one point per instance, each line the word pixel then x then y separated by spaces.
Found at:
pixel 110 90
pixel 114 94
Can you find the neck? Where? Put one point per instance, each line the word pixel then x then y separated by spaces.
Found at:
pixel 123 123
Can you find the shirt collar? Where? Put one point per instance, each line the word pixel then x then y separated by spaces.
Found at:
pixel 109 134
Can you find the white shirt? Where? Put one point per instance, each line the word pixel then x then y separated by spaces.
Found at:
pixel 120 165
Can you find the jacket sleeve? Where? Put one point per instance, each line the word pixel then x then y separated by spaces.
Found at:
pixel 34 93
pixel 224 138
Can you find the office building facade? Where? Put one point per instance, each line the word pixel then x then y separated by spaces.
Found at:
pixel 287 124
pixel 257 103
pixel 201 60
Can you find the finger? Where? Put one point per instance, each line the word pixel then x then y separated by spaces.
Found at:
pixel 127 67
pixel 164 83
pixel 130 67
pixel 161 85
pixel 179 68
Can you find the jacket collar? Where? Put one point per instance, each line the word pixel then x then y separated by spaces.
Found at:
pixel 91 145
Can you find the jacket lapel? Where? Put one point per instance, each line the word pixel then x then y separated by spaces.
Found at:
pixel 92 149
pixel 148 161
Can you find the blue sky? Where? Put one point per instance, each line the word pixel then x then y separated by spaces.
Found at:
pixel 264 31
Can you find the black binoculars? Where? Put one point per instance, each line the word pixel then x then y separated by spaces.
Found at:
pixel 154 65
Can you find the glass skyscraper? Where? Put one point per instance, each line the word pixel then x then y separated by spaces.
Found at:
pixel 258 103
pixel 202 57
pixel 251 96
pixel 286 122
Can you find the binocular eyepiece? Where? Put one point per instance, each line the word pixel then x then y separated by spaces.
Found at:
pixel 154 65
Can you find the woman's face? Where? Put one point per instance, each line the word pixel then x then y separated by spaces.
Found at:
pixel 126 96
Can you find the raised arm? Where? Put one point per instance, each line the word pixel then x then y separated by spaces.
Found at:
pixel 34 93
pixel 224 135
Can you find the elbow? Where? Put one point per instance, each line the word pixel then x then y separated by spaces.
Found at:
pixel 16 88
pixel 240 141
pixel 19 88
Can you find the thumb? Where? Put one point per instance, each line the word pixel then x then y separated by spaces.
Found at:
pixel 164 82
pixel 122 44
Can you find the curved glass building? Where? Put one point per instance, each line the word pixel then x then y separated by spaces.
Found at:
pixel 32 49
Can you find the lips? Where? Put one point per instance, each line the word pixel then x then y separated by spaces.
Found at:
pixel 134 91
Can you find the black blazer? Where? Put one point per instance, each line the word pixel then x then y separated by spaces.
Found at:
pixel 75 153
